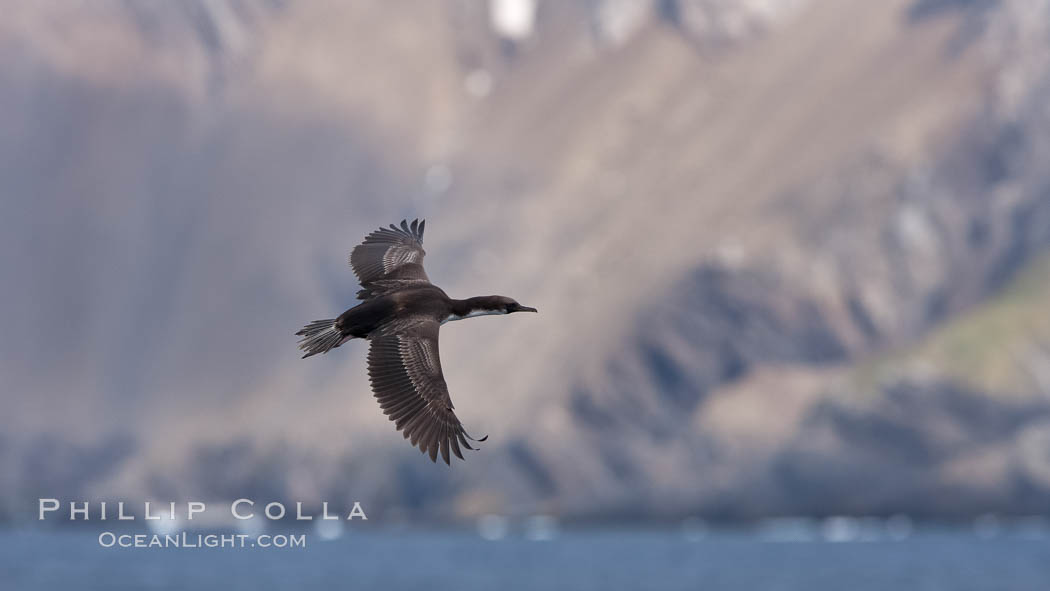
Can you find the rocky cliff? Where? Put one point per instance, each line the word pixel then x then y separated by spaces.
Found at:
pixel 789 256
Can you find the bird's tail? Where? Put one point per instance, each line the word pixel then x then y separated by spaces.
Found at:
pixel 320 336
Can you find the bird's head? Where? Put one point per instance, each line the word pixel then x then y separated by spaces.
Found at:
pixel 509 305
pixel 494 305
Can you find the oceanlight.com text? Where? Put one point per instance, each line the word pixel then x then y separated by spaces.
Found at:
pixel 187 540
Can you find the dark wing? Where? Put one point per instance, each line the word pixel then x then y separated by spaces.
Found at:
pixel 406 377
pixel 390 259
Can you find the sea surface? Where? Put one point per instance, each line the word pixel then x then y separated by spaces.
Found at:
pixel 607 559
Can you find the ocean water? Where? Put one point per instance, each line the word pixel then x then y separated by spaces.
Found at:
pixel 578 561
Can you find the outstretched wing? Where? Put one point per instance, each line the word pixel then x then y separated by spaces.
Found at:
pixel 390 259
pixel 406 377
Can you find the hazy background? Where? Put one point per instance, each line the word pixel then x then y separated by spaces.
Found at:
pixel 790 257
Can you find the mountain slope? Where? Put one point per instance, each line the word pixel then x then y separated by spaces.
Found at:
pixel 723 239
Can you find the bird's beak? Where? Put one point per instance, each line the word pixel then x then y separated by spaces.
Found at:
pixel 526 309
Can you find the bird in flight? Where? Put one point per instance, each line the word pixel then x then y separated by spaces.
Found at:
pixel 400 314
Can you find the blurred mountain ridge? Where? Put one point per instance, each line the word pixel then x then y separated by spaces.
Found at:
pixel 809 238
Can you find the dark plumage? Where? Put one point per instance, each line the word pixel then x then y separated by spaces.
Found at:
pixel 400 313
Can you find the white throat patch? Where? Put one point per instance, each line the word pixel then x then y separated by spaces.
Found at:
pixel 472 314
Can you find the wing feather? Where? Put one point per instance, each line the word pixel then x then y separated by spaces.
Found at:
pixel 390 259
pixel 405 371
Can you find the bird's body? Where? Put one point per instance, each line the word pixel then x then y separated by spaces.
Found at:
pixel 400 314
